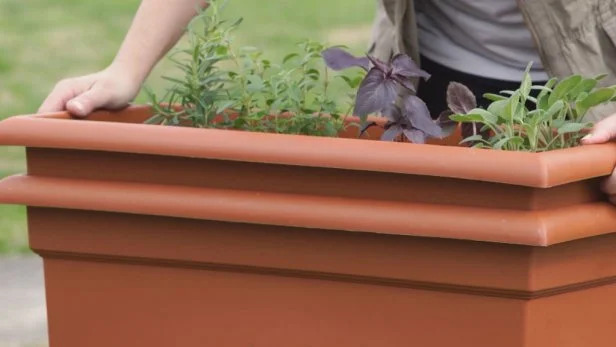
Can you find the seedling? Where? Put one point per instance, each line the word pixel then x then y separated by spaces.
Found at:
pixel 555 119
pixel 237 88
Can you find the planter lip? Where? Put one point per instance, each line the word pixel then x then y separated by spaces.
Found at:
pixel 531 228
pixel 538 170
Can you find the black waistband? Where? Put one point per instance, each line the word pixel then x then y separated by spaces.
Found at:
pixel 434 91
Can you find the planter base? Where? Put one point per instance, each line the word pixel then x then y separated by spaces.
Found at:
pixel 141 306
pixel 128 280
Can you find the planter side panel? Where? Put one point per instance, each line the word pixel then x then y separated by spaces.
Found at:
pixel 247 176
pixel 99 304
pixel 584 318
pixel 591 260
pixel 443 264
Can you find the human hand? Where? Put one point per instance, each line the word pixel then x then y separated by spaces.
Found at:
pixel 604 131
pixel 111 88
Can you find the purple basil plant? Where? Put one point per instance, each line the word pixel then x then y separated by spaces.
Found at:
pixel 387 90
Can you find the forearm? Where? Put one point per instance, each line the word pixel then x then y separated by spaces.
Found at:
pixel 156 28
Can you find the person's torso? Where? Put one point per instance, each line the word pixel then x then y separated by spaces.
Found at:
pixel 488 38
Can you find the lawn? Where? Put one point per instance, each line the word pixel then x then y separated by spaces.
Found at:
pixel 43 41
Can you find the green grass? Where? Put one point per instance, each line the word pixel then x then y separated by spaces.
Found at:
pixel 43 41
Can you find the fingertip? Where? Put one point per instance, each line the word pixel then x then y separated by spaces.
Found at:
pixel 588 139
pixel 594 138
pixel 76 108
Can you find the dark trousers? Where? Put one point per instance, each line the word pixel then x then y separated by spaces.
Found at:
pixel 434 91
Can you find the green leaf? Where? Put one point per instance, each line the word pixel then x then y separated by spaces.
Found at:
pixel 172 79
pixel 330 129
pixel 586 86
pixel 493 97
pixel 500 143
pixel 499 108
pixel 543 97
pixel 295 93
pixel 472 138
pixel 573 127
pixel 557 123
pixel 563 87
pixel 542 88
pixel 289 57
pixel 486 116
pixel 551 83
pixel 222 50
pixel 581 97
pixel 536 117
pixel 347 80
pixel 554 110
pixel 467 118
pixel 357 81
pixel 516 106
pixel 156 119
pixel 593 99
pixel 515 140
pixel 224 106
pixel 313 73
pixel 526 82
pixel 255 83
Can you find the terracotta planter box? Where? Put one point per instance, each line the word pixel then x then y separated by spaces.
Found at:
pixel 159 236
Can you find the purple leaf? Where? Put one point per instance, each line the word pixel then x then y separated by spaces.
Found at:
pixel 374 94
pixel 380 65
pixel 392 112
pixel 391 133
pixel 444 117
pixel 416 111
pixel 404 66
pixel 415 135
pixel 338 59
pixel 460 99
pixel 447 125
pixel 405 82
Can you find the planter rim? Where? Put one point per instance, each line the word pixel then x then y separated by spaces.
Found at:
pixel 532 228
pixel 539 170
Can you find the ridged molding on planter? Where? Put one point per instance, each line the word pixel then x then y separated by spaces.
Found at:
pixel 159 236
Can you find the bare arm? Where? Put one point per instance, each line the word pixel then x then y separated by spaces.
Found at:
pixel 156 28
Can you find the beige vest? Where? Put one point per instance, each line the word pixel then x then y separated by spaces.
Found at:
pixel 572 37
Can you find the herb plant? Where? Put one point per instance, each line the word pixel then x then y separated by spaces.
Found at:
pixel 554 120
pixel 387 89
pixel 230 88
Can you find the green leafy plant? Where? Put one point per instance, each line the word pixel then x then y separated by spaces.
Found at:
pixel 230 88
pixel 515 120
pixel 224 87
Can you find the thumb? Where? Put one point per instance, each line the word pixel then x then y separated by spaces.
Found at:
pixel 603 131
pixel 85 103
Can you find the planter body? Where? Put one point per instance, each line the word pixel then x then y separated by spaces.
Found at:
pixel 155 236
